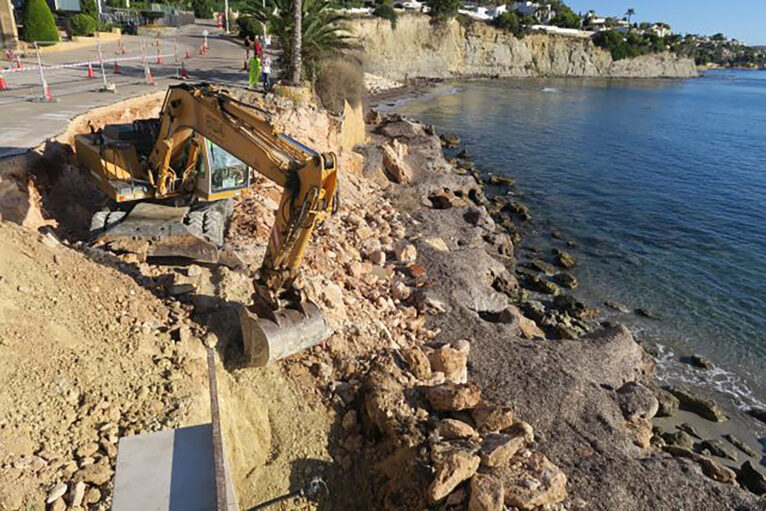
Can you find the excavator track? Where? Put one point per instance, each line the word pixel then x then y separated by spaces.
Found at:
pixel 156 230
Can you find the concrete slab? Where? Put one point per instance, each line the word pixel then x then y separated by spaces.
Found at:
pixel 168 471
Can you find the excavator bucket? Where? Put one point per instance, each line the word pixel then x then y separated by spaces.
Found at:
pixel 289 331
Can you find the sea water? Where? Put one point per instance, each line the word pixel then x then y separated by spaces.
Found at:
pixel 661 183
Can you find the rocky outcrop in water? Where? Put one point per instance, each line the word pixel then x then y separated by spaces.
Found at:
pixel 417 48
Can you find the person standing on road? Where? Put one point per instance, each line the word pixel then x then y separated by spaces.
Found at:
pixel 255 71
pixel 266 73
pixel 258 47
pixel 247 53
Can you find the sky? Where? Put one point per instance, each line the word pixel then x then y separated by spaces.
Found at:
pixel 739 19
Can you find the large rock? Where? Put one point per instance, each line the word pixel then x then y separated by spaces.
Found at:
pixel 451 362
pixel 394 163
pixel 717 472
pixel 453 429
pixel 492 417
pixel 667 402
pixel 717 448
pixel 752 478
pixel 487 493
pixel 637 401
pixel 531 480
pixel 386 408
pixel 698 404
pixel 418 363
pixel 451 397
pixel 452 470
pixel 498 448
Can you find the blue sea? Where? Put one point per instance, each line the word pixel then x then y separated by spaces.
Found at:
pixel 661 183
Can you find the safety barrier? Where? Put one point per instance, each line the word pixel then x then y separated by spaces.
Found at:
pixel 27 72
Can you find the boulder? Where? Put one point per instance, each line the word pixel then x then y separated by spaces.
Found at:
pixel 637 401
pixel 531 481
pixel 451 362
pixel 453 469
pixel 486 493
pixel 566 279
pixel 418 363
pixel 492 417
pixel 716 471
pixel 739 444
pixel 565 260
pixel 529 328
pixel 406 253
pixel 450 140
pixel 452 429
pixel 521 428
pixel 678 439
pixel 758 413
pixel 716 447
pixel 451 397
pixel 393 162
pixel 498 448
pixel 700 362
pixel 385 407
pixel 667 402
pixel 617 306
pixel 700 405
pixel 752 478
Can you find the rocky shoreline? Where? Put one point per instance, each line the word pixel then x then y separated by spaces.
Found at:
pixel 588 389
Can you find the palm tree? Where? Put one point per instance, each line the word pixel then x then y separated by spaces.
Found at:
pixel 321 33
pixel 629 13
pixel 295 53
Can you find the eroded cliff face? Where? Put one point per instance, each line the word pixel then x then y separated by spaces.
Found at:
pixel 419 49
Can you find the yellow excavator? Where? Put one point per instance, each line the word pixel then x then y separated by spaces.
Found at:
pixel 172 180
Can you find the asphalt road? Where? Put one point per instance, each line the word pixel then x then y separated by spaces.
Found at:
pixel 25 121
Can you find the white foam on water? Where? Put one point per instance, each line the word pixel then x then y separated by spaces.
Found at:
pixel 670 370
pixel 549 90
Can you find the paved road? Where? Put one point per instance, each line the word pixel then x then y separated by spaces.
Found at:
pixel 26 123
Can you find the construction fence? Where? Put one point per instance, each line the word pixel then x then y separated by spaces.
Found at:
pixel 35 76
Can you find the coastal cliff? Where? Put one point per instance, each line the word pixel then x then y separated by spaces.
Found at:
pixel 419 49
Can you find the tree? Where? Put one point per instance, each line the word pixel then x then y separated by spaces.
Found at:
pixel 322 33
pixel 203 9
pixel 39 24
pixel 565 17
pixel 82 24
pixel 630 13
pixel 613 41
pixel 295 50
pixel 89 7
pixel 441 9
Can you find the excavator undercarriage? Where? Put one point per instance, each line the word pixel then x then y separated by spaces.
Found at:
pixel 173 180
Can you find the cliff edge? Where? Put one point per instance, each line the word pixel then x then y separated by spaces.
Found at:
pixel 416 48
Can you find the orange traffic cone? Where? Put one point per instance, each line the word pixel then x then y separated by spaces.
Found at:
pixel 19 64
pixel 47 93
pixel 3 85
pixel 188 53
pixel 184 72
pixel 116 68
pixel 159 57
pixel 148 74
pixel 91 74
pixel 202 49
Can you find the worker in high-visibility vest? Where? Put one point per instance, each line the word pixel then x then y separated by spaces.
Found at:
pixel 255 71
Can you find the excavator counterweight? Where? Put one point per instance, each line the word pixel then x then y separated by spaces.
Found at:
pixel 174 179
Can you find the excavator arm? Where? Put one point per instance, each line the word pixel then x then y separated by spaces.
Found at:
pixel 281 321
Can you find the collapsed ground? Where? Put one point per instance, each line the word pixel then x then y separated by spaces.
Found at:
pixel 434 390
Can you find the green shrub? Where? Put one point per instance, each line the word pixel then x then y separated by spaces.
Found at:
pixel 386 11
pixel 249 26
pixel 103 26
pixel 82 24
pixel 203 9
pixel 339 81
pixel 39 24
pixel 565 16
pixel 614 42
pixel 509 21
pixel 89 7
pixel 440 9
